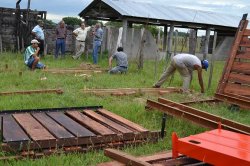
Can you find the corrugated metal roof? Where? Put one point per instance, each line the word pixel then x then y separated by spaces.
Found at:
pixel 169 13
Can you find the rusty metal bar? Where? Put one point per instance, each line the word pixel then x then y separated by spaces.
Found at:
pixel 241 101
pixel 58 91
pixel 199 117
pixel 163 124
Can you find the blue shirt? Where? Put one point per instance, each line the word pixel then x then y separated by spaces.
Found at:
pixel 39 32
pixel 28 53
pixel 98 34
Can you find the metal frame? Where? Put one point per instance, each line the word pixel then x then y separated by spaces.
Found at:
pixel 196 116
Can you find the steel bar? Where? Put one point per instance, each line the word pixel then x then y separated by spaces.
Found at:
pixel 241 101
pixel 58 91
pixel 163 124
pixel 199 117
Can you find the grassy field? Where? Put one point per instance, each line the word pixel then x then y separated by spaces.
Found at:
pixel 131 108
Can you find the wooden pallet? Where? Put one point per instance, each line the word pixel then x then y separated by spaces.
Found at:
pixel 236 75
pixel 69 129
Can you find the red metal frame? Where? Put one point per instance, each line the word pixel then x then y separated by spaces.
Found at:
pixel 216 147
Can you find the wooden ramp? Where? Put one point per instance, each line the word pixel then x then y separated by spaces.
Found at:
pixel 234 85
pixel 69 129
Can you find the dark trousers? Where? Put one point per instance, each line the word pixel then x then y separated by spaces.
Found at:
pixel 60 44
pixel 41 46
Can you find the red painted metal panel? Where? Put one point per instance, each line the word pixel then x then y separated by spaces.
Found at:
pixel 216 147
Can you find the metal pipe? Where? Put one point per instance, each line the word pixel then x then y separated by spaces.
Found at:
pixel 163 124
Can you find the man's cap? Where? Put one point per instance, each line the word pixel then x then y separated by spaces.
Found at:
pixel 205 64
pixel 34 41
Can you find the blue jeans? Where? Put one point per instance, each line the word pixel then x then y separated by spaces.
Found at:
pixel 60 43
pixel 96 46
pixel 31 60
pixel 118 69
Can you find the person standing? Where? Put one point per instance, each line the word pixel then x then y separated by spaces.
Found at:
pixel 185 64
pixel 61 34
pixel 31 58
pixel 98 35
pixel 38 34
pixel 80 34
pixel 121 60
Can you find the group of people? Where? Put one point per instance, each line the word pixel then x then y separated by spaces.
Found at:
pixel 185 64
pixel 61 33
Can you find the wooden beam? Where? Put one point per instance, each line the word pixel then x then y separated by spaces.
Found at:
pixel 170 40
pixel 125 158
pixel 124 32
pixel 206 43
pixel 165 37
pixel 58 91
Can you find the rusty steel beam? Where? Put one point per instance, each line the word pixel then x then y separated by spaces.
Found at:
pixel 196 116
pixel 58 91
pixel 242 101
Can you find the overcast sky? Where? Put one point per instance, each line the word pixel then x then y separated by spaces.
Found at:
pixel 57 9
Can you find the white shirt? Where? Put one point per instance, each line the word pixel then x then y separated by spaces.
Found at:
pixel 187 60
pixel 81 33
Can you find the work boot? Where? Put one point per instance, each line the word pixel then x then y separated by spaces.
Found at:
pixel 156 86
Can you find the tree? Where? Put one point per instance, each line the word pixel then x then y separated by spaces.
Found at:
pixel 72 21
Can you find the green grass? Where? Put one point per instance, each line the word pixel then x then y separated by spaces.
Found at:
pixel 128 107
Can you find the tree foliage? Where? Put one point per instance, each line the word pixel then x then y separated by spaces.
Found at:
pixel 72 21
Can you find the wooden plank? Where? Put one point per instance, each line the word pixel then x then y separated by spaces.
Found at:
pixel 122 120
pixel 58 91
pixel 124 158
pixel 154 158
pixel 32 127
pixel 246 32
pixel 90 123
pixel 74 127
pixel 57 130
pixel 241 67
pixel 12 131
pixel 237 89
pixel 239 78
pixel 243 55
pixel 107 121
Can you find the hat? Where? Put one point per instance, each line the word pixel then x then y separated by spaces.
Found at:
pixel 34 41
pixel 205 64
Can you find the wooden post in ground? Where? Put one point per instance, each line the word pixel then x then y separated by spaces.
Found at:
pixel 170 40
pixel 1 44
pixel 124 32
pixel 192 41
pixel 206 43
pixel 165 35
pixel 212 61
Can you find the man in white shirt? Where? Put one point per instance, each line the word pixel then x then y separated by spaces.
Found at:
pixel 185 64
pixel 80 34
